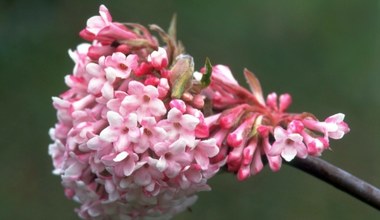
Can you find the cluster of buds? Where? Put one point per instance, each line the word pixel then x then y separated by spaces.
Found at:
pixel 139 132
pixel 249 128
pixel 131 141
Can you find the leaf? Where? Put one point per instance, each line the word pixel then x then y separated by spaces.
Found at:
pixel 181 75
pixel 206 78
pixel 172 31
pixel 255 86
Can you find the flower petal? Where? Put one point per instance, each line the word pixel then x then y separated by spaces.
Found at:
pixel 114 119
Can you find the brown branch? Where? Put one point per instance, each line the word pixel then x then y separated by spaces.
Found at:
pixel 340 179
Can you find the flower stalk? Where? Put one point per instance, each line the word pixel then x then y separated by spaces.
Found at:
pixel 340 179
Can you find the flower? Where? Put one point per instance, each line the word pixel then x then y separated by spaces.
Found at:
pixel 288 145
pixel 139 132
pixel 123 146
pixel 247 127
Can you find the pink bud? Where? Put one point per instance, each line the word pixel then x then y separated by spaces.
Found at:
pixel 244 172
pixel 272 101
pixel 159 58
pixel 152 80
pixel 285 101
pixel 295 126
pixel 229 118
pixel 178 104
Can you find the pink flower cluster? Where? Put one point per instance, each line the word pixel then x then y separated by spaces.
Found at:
pixel 139 132
pixel 123 146
pixel 249 127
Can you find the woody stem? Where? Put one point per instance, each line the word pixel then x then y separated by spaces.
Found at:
pixel 340 179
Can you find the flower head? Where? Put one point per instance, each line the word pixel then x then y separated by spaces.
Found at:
pixel 124 146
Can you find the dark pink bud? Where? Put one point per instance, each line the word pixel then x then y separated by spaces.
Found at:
pixel 230 117
pixel 152 80
pixel 123 49
pixel 295 126
pixel 143 69
pixel 94 52
pixel 249 151
pixel 244 172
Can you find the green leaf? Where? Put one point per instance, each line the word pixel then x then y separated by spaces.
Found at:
pixel 206 78
pixel 181 75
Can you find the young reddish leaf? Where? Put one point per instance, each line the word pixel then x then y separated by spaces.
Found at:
pixel 255 86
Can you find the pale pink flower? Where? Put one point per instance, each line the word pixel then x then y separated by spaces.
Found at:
pixel 203 151
pixel 123 163
pixel 288 145
pixel 121 131
pixel 179 125
pixel 119 65
pixel 173 157
pixel 143 100
pixel 333 126
pixel 151 134
pixel 102 28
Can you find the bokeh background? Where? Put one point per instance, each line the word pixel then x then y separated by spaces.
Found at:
pixel 324 52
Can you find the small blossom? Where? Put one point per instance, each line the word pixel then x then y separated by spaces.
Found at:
pixel 288 145
pixel 143 100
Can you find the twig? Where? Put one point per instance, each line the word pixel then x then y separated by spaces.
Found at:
pixel 340 179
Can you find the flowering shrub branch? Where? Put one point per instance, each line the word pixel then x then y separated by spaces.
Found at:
pixel 340 179
pixel 140 131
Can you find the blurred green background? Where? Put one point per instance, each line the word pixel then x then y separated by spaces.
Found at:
pixel 324 52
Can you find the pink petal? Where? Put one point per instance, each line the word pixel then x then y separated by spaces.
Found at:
pixel 295 137
pixel 111 74
pixel 142 177
pixel 94 69
pixel 132 61
pixel 173 170
pixel 160 148
pixel 288 153
pixel 121 156
pixel 178 146
pixel 339 117
pixel 135 88
pixel 161 164
pixel 114 119
pixel 104 13
pixel 174 115
pixel 301 150
pixel 202 160
pixel 189 122
pixel 151 91
pixel 94 143
pixel 95 85
pixel 130 102
pixel 108 134
pixel 279 133
pixel 157 107
pixel 209 147
pixel 131 121
pixel 107 91
pixel 276 149
pixel 194 176
pixel 122 142
pixel 129 167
